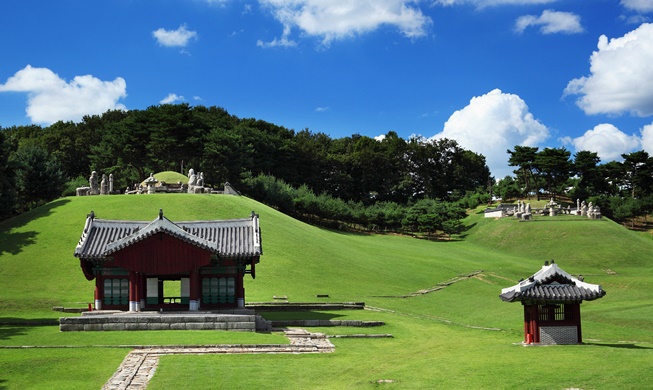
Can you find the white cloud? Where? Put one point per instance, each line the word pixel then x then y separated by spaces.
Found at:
pixel 492 3
pixel 638 5
pixel 178 37
pixel 551 22
pixel 322 109
pixel 380 138
pixel 331 20
pixel 647 138
pixel 621 78
pixel 635 19
pixel 171 99
pixel 493 123
pixel 51 98
pixel 279 42
pixel 607 141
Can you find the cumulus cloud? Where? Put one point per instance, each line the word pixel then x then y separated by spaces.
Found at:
pixel 51 98
pixel 171 38
pixel 621 76
pixel 331 20
pixel 493 123
pixel 607 141
pixel 551 22
pixel 638 5
pixel 491 3
pixel 647 138
pixel 171 99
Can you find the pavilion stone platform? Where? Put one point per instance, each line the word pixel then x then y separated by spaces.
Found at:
pixel 114 320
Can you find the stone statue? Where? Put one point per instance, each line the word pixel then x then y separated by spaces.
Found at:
pixel 192 178
pixel 528 208
pixel 583 209
pixel 104 186
pixel 92 181
pixel 111 183
pixel 195 182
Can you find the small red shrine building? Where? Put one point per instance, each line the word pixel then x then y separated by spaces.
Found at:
pixel 551 299
pixel 133 261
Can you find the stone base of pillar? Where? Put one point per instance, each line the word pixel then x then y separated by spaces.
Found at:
pixel 134 306
pixel 193 305
pixel 98 304
pixel 241 303
pixel 142 304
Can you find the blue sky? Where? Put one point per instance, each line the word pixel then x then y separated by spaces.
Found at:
pixel 489 73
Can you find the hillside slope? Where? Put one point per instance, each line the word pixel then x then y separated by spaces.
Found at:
pixel 38 270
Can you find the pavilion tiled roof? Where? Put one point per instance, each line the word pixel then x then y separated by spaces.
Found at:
pixel 552 284
pixel 236 238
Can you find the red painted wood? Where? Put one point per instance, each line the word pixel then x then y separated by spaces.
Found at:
pixel 195 285
pixel 161 254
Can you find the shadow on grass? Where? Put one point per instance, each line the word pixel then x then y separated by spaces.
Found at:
pixel 16 321
pixel 11 327
pixel 3 384
pixel 8 332
pixel 619 345
pixel 13 243
pixel 298 315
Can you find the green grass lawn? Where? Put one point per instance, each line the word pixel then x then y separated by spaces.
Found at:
pixel 440 339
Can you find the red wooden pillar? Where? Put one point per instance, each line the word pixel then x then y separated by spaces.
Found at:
pixel 531 331
pixel 142 293
pixel 99 290
pixel 535 323
pixel 134 291
pixel 195 290
pixel 240 289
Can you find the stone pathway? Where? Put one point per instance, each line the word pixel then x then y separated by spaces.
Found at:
pixel 140 364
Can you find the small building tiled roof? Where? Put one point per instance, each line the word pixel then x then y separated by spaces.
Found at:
pixel 235 238
pixel 552 284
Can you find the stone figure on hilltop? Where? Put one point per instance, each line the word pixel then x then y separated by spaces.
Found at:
pixel 192 178
pixel 93 183
pixel 104 186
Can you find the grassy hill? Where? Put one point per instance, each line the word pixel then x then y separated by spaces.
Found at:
pixel 457 330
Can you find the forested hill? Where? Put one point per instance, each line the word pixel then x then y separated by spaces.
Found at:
pixel 132 144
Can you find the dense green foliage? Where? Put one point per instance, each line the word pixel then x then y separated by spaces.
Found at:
pixel 425 215
pixel 623 190
pixel 347 175
pixel 459 337
pixel 132 144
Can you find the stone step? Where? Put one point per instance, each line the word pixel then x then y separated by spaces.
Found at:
pixel 138 321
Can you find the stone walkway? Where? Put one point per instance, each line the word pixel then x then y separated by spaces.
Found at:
pixel 140 364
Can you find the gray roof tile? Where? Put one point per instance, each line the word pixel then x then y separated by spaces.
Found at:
pixel 227 238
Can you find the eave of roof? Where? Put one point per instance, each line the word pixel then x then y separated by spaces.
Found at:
pixel 552 284
pixel 235 238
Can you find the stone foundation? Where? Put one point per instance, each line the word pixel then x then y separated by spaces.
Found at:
pixel 154 321
pixel 558 335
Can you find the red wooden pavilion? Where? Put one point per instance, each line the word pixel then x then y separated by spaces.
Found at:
pixel 132 261
pixel 551 299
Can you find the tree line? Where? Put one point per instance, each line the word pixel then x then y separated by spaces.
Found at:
pixel 38 164
pixel 370 179
pixel 623 190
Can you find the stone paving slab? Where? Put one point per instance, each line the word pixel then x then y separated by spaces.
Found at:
pixel 138 368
